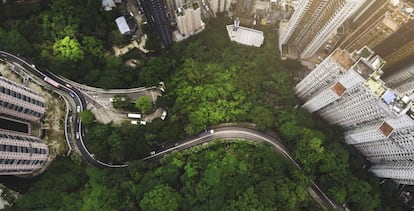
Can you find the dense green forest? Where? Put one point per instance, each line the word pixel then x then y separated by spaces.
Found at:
pixel 219 176
pixel 209 81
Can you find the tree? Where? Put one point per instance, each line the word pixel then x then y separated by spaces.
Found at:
pixel 290 130
pixel 68 49
pixel 262 117
pixel 87 117
pixel 308 151
pixel 92 46
pixel 144 104
pixel 15 42
pixel 248 201
pixel 121 101
pixel 161 198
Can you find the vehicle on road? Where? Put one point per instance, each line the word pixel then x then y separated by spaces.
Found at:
pixel 77 135
pixel 71 94
pixel 68 85
pixel 205 133
pixel 153 153
pixel 134 116
pixel 163 115
pixel 51 82
pixel 78 109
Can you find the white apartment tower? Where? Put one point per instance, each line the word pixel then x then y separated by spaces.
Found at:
pixel 379 122
pixel 402 173
pixel 21 154
pixel 19 101
pixel 218 6
pixel 314 22
pixel 403 81
pixel 188 18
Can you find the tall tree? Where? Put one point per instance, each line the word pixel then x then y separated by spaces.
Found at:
pixel 161 198
pixel 144 104
pixel 68 49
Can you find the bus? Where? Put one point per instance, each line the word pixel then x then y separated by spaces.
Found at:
pixel 51 82
pixel 134 116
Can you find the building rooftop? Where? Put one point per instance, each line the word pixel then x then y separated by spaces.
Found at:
pixel 245 36
pixel 386 129
pixel 363 68
pixel 342 57
pixel 122 25
pixel 376 86
pixel 339 89
pixel 364 52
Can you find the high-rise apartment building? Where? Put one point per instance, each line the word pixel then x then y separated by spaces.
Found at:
pixel 382 21
pixel 21 154
pixel 402 81
pixel 402 173
pixel 188 18
pixel 19 101
pixel 218 6
pixel 156 15
pixel 398 47
pixel 314 22
pixel 346 90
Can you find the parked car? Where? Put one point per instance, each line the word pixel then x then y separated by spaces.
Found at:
pixel 163 115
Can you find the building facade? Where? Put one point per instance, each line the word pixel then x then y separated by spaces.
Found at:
pixel 188 18
pixel 314 22
pixel 402 81
pixel 347 91
pixel 402 173
pixel 156 15
pixel 21 154
pixel 381 23
pixel 219 6
pixel 398 46
pixel 19 101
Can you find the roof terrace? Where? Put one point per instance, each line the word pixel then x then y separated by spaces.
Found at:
pixel 342 57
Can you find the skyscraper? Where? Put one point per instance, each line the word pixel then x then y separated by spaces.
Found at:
pixel 346 90
pixel 382 21
pixel 218 6
pixel 188 18
pixel 313 22
pixel 19 101
pixel 20 153
pixel 399 46
pixel 156 15
pixel 403 80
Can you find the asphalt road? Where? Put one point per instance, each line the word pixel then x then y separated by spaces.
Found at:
pixel 227 132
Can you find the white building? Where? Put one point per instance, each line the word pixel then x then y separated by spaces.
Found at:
pixel 123 26
pixel 218 6
pixel 402 172
pixel 188 18
pixel 314 22
pixel 403 81
pixel 21 154
pixel 379 122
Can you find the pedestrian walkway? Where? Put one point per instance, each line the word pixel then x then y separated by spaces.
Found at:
pixel 134 44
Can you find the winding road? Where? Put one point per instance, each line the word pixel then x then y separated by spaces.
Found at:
pixel 221 132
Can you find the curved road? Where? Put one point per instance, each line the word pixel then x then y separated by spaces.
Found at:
pixel 225 132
